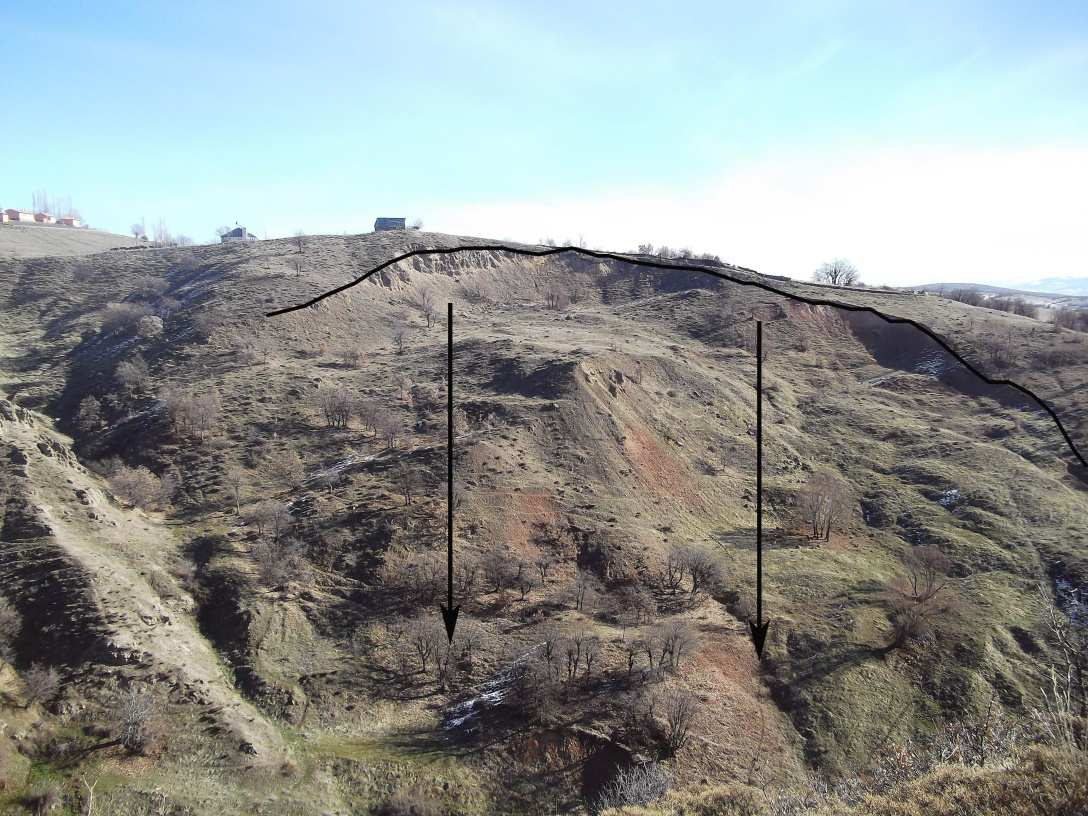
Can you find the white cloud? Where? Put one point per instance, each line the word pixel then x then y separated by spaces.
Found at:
pixel 903 216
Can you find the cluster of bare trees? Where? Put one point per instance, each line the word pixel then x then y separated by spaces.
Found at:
pixel 427 303
pixel 280 559
pixel 556 298
pixel 667 252
pixel 694 564
pixel 283 466
pixel 192 414
pixel 141 488
pixel 337 406
pixel 1075 319
pixel 824 502
pixel 59 206
pixel 123 316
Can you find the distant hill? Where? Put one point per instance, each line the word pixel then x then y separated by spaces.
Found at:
pixel 1047 298
pixel 36 241
pixel 1062 286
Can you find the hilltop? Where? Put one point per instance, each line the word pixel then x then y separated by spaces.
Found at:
pixel 242 519
pixel 41 240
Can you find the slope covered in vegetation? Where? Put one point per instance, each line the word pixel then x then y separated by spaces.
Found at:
pixel 275 487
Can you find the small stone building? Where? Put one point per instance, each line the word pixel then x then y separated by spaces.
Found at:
pixel 44 218
pixel 70 221
pixel 19 215
pixel 381 224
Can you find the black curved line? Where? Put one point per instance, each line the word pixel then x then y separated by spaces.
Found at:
pixel 611 256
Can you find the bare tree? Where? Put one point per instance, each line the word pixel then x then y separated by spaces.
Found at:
pixel 496 567
pixel 137 486
pixel 837 272
pixel 428 306
pixel 400 338
pixel 705 570
pixel 236 478
pixel 679 708
pixel 914 598
pixel 133 374
pixel 284 466
pixel 824 500
pixel 89 415
pixel 927 574
pixel 42 684
pixel 136 712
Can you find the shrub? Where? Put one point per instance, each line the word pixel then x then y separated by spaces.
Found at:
pixel 133 374
pixel 123 316
pixel 149 327
pixel 136 716
pixel 10 624
pixel 635 785
pixel 137 486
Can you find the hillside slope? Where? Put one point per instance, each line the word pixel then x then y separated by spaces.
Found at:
pixel 39 240
pixel 605 457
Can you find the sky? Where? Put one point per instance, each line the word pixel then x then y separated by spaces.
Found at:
pixel 923 141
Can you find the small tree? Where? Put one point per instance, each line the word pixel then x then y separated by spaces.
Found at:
pixel 10 624
pixel 133 374
pixel 137 486
pixel 824 500
pixel 915 598
pixel 679 709
pixel 495 565
pixel 837 272
pixel 42 684
pixel 149 327
pixel 400 338
pixel 428 306
pixel 89 415
pixel 136 717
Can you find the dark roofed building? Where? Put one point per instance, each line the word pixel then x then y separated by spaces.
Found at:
pixel 237 234
pixel 388 224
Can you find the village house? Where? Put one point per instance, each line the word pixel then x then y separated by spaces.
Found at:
pixel 381 224
pixel 19 215
pixel 4 217
pixel 70 221
pixel 237 234
pixel 44 218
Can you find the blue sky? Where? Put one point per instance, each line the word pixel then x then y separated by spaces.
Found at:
pixel 922 141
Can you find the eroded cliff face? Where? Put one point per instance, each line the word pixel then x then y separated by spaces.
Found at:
pixel 91 581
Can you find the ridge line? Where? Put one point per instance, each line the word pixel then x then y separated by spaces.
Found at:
pixel 612 256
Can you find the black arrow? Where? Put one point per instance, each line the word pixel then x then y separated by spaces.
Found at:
pixel 759 626
pixel 449 611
